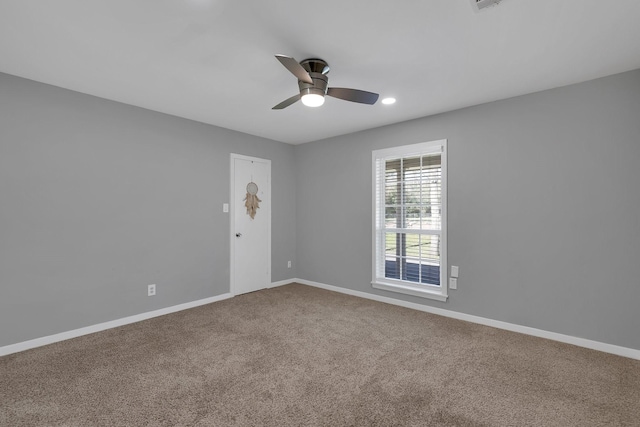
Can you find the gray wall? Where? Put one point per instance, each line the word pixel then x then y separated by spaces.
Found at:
pixel 544 208
pixel 99 199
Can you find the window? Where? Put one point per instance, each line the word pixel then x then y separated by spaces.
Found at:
pixel 409 208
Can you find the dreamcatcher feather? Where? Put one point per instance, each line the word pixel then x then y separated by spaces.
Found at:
pixel 251 200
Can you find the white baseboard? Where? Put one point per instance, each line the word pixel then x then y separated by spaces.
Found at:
pixel 580 342
pixel 38 342
pixel 281 283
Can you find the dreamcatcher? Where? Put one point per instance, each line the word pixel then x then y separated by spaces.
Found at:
pixel 252 200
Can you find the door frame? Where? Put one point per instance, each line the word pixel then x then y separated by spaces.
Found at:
pixel 232 214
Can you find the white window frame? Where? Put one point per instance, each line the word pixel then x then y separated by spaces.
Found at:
pixel 439 293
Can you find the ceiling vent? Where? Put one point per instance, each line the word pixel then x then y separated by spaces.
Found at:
pixel 483 4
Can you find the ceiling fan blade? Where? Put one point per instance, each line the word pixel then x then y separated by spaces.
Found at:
pixel 353 95
pixel 284 104
pixel 295 68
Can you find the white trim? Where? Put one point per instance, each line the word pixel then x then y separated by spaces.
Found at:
pixel 62 336
pixel 405 288
pixel 580 342
pixel 411 149
pixel 281 283
pixel 568 339
pixel 232 218
pixel 377 238
pixel 378 280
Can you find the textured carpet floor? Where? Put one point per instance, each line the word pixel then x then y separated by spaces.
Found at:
pixel 296 355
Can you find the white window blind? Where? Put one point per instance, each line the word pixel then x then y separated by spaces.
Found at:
pixel 409 219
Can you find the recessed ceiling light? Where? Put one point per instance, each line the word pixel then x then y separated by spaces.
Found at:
pixel 389 101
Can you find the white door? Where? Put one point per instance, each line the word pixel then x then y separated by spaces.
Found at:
pixel 250 237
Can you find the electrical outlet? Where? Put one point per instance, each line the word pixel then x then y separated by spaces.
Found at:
pixel 151 290
pixel 453 283
pixel 288 264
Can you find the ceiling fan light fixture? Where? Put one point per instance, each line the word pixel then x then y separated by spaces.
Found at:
pixel 389 101
pixel 312 99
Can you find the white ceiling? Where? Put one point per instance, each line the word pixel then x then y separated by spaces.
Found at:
pixel 212 60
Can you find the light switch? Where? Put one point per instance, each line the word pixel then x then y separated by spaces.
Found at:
pixel 453 283
pixel 225 207
pixel 454 271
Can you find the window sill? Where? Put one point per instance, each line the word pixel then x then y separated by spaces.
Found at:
pixel 409 290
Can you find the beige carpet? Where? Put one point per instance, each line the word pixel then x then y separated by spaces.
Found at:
pixel 297 356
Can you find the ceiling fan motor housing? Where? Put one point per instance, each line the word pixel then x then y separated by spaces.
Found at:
pixel 317 69
pixel 315 65
pixel 318 87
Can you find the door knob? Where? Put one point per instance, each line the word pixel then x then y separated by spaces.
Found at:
pixel 238 234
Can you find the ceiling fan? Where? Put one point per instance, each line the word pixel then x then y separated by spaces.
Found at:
pixel 313 81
